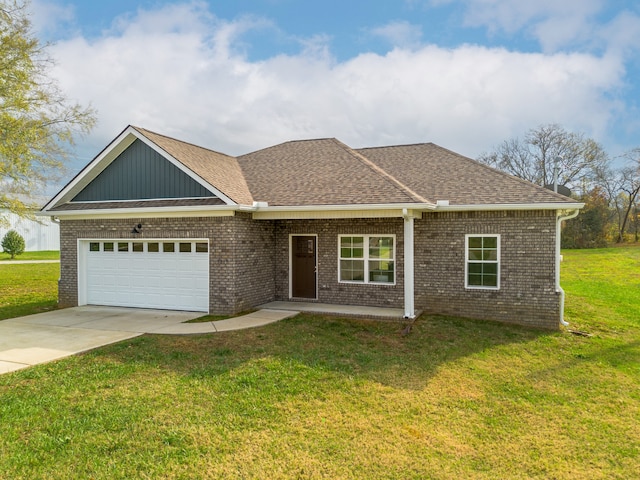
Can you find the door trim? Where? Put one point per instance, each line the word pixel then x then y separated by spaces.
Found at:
pixel 291 264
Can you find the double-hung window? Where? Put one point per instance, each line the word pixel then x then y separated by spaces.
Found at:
pixel 367 259
pixel 482 266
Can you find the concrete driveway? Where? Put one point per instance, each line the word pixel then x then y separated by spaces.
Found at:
pixel 44 337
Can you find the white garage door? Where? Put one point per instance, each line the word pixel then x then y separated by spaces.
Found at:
pixel 165 274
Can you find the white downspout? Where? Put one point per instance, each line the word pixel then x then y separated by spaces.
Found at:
pixel 559 220
pixel 409 307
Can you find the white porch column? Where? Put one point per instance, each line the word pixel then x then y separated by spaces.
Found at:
pixel 409 308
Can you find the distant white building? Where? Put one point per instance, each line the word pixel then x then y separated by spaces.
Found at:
pixel 40 234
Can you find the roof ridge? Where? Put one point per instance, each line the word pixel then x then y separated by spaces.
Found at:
pixel 382 172
pixel 143 130
pixel 397 145
pixel 285 143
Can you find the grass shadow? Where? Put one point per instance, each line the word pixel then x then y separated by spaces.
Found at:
pixel 368 350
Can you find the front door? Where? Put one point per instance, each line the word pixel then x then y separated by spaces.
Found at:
pixel 303 266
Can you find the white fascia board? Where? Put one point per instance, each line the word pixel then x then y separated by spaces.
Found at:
pixel 510 206
pixel 385 210
pixel 145 212
pixel 186 170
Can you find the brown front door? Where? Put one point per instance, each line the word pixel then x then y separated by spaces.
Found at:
pixel 303 266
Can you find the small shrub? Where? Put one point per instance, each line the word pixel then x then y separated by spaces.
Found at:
pixel 13 243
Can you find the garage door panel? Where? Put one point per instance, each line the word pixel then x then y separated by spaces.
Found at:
pixel 169 280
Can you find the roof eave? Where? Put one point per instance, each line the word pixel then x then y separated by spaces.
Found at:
pixel 511 206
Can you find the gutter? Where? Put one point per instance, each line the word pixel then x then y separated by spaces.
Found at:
pixel 559 219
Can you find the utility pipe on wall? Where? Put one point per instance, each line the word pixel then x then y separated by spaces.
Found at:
pixel 559 219
pixel 409 307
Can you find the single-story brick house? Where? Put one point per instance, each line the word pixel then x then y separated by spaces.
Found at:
pixel 155 222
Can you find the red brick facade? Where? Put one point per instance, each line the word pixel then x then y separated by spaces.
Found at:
pixel 249 261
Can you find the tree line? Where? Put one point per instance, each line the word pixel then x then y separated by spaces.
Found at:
pixel 550 154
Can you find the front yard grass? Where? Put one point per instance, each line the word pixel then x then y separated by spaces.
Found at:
pixel 323 397
pixel 42 255
pixel 28 288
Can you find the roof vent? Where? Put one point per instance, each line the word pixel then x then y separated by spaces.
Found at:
pixel 442 203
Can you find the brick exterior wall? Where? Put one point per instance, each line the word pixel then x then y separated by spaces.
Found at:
pixel 249 261
pixel 241 254
pixel 527 267
pixel 329 289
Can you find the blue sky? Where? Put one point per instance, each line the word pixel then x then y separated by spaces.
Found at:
pixel 240 75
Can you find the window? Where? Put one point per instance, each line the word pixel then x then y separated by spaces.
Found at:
pixel 483 261
pixel 108 246
pixel 153 247
pixel 123 246
pixel 138 247
pixel 168 247
pixel 202 247
pixel 94 246
pixel 367 259
pixel 185 247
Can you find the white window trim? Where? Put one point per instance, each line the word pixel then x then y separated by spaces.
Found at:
pixel 366 259
pixel 466 261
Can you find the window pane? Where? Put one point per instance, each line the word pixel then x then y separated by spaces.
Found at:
pixel 94 246
pixel 138 247
pixel 475 254
pixel 381 247
pixel 123 246
pixel 169 247
pixel 351 247
pixel 475 268
pixel 490 255
pixel 202 247
pixel 490 242
pixel 490 268
pixel 475 280
pixel 352 270
pixel 381 271
pixel 185 247
pixel 108 246
pixel 475 242
pixel 153 247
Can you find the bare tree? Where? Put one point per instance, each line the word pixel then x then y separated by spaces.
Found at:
pixel 629 189
pixel 532 158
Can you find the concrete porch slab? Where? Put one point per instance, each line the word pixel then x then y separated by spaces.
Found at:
pixel 375 313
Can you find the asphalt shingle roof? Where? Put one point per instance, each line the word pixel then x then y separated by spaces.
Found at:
pixel 440 174
pixel 318 172
pixel 328 172
pixel 220 170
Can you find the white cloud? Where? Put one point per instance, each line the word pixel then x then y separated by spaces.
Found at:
pixel 47 17
pixel 177 71
pixel 399 34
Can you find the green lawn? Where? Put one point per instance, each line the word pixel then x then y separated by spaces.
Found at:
pixel 27 289
pixel 321 397
pixel 43 255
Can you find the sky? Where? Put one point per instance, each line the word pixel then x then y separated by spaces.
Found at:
pixel 237 76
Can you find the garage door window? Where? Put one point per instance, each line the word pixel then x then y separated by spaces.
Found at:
pixel 150 247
